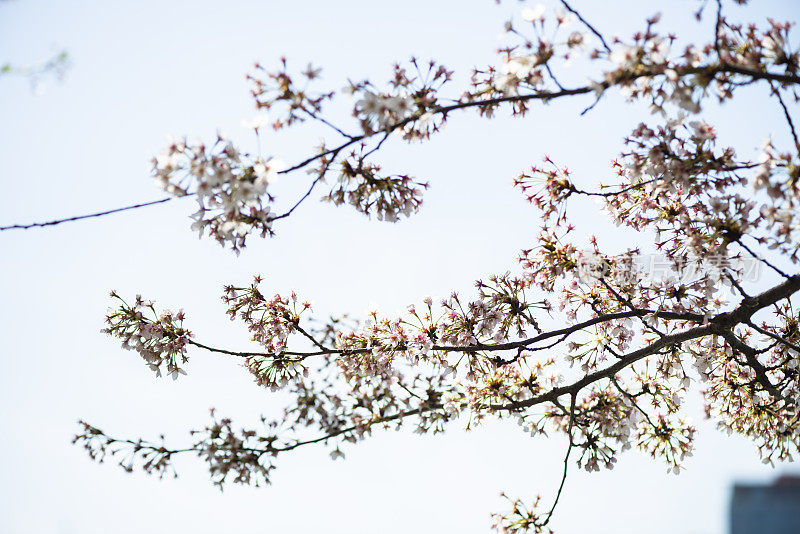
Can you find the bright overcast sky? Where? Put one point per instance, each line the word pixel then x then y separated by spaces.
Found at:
pixel 144 69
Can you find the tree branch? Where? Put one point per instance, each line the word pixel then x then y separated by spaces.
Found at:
pixel 444 110
pixel 588 26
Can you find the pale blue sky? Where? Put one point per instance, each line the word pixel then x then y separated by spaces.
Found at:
pixel 145 69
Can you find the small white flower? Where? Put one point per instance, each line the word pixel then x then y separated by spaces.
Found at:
pixel 257 122
pixel 624 55
pixel 534 14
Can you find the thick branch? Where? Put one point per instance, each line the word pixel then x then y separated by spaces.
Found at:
pixel 610 371
pixel 758 368
pixel 477 347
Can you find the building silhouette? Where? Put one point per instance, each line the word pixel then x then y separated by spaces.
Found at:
pixel 766 509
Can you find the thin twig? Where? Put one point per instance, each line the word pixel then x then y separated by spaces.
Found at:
pixel 774 336
pixel 327 123
pixel 314 183
pixel 762 260
pixel 718 31
pixel 81 217
pixel 629 304
pixel 566 458
pixel 588 26
pixel 786 114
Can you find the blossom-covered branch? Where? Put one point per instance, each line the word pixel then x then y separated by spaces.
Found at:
pixel 415 109
pixel 582 339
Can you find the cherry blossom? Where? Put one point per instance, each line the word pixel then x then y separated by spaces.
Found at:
pixel 230 187
pixel 160 339
pixel 576 338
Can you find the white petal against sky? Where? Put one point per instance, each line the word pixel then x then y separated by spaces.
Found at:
pixel 143 69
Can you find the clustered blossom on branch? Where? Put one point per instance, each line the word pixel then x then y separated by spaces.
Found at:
pixel 409 102
pixel 372 349
pixel 644 68
pixel 522 518
pixel 278 93
pixel 575 342
pixel 229 185
pixel 361 185
pixel 272 322
pixel 383 110
pixel 151 458
pixel 160 340
pixel 245 455
pixel 526 64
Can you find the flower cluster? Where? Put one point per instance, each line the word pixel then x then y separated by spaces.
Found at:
pixel 361 185
pixel 371 350
pixel 245 456
pixel 737 406
pixel 679 162
pixel 758 48
pixel 271 323
pixel 160 339
pixel 778 175
pixel 522 518
pixel 505 384
pixel 578 342
pixel 379 111
pixel 408 101
pixel 547 189
pixel 153 459
pixel 229 185
pixel 279 93
pixel 275 372
pixel 526 65
pixel 671 440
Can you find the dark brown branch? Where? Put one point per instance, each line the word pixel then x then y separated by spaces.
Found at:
pixel 313 340
pixel 575 190
pixel 563 333
pixel 735 284
pixel 751 356
pixel 762 260
pixel 718 31
pixel 245 354
pixel 776 337
pixel 755 74
pixel 719 324
pixel 749 306
pixel 370 423
pixel 81 217
pixel 144 445
pixel 326 122
pixel 444 110
pixel 610 371
pixel 788 117
pixel 628 304
pixel 588 26
pixel 314 183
